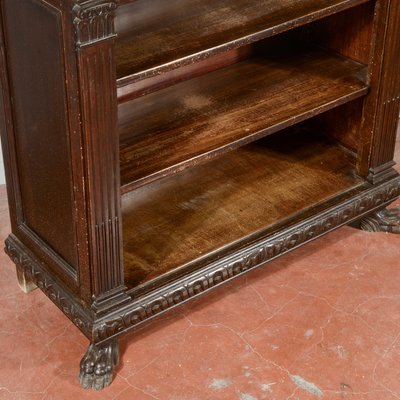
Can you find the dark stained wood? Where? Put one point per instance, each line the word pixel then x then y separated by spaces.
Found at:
pixel 175 220
pixel 378 131
pixel 350 33
pixel 159 35
pixel 99 116
pixel 386 220
pixel 343 124
pixel 95 53
pixel 198 119
pixel 169 78
pixel 46 212
pixel 207 70
pixel 97 365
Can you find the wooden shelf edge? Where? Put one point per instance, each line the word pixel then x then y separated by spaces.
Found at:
pixel 128 80
pixel 145 306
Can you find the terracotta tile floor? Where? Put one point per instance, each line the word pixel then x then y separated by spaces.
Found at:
pixel 320 323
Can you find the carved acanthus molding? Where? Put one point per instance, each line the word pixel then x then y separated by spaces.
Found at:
pixel 94 21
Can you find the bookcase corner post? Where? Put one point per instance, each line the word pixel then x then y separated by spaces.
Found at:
pixel 93 23
pixel 382 107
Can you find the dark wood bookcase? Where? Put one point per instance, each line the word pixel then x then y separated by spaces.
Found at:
pixel 156 149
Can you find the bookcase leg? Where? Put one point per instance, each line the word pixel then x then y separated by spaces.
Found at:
pixel 24 282
pixel 97 365
pixel 386 220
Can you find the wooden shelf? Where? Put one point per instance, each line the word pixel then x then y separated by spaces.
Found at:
pixel 157 36
pixel 195 120
pixel 184 217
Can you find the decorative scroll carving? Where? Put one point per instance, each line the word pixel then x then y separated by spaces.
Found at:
pixel 32 269
pixel 94 21
pixel 387 220
pixel 97 365
pixel 224 270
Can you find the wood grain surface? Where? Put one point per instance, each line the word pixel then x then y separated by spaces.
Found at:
pixel 200 118
pixel 158 35
pixel 181 218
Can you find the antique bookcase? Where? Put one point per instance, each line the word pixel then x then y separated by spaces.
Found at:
pixel 156 149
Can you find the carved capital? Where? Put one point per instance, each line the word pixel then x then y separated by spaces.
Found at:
pixel 94 21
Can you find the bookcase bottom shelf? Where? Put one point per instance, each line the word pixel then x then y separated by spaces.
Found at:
pixel 215 206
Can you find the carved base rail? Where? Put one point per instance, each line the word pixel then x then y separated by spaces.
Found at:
pixel 205 278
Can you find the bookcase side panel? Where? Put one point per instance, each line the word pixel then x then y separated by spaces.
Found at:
pixel 38 137
pixel 60 117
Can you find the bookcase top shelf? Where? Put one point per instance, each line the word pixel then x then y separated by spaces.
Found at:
pixel 195 120
pixel 158 35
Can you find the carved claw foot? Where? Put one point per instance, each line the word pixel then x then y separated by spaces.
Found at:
pixel 387 220
pixel 24 282
pixel 97 365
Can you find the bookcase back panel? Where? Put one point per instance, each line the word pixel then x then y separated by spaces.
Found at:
pixel 350 34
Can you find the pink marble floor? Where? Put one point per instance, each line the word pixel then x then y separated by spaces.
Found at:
pixel 320 323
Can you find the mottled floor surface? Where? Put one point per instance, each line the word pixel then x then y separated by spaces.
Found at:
pixel 320 323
